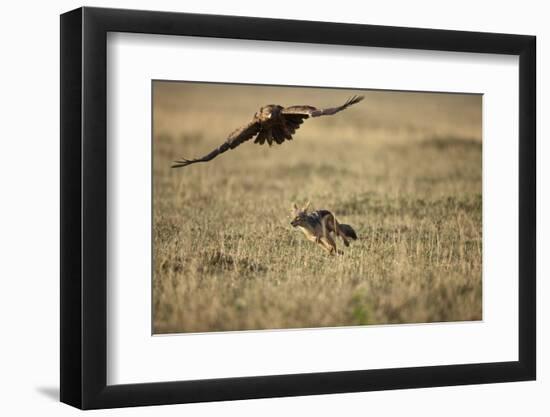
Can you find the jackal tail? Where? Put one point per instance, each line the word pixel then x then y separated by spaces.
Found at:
pixel 348 231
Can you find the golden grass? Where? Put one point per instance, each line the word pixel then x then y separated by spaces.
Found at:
pixel 404 169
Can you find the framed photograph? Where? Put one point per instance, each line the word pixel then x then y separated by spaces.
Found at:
pixel 257 208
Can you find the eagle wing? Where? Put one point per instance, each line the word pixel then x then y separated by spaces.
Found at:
pixel 238 136
pixel 306 111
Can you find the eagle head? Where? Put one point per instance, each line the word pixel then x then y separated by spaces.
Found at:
pixel 269 112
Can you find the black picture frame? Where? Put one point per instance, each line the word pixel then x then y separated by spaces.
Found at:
pixel 84 207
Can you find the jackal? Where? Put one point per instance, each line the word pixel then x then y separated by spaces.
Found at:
pixel 319 225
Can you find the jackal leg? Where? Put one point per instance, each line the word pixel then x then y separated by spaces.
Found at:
pixel 338 231
pixel 328 244
pixel 343 236
pixel 335 226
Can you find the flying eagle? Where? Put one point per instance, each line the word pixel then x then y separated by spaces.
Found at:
pixel 273 123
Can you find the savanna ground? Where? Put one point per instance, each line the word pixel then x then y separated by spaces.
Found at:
pixel 404 169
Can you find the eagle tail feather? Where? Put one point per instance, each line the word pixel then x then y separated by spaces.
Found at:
pixel 260 139
pixel 278 135
pixel 269 136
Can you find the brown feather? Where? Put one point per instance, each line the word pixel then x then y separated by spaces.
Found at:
pixel 236 138
pixel 260 139
pixel 278 134
pixel 269 136
pixel 315 112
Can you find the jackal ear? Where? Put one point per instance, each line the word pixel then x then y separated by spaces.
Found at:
pixel 294 207
pixel 306 207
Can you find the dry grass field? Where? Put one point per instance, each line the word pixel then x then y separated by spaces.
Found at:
pixel 404 169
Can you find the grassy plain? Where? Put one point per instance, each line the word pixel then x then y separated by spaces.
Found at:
pixel 404 169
